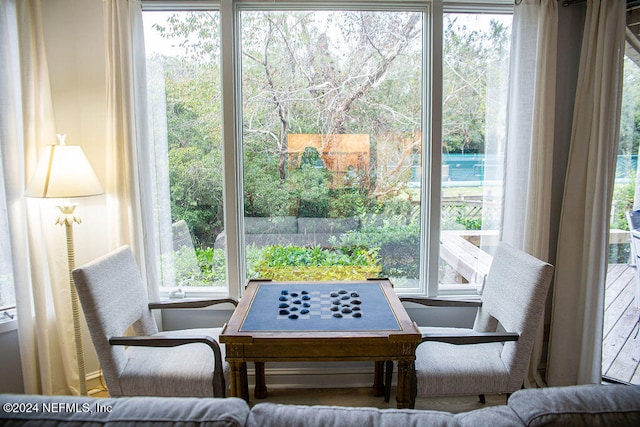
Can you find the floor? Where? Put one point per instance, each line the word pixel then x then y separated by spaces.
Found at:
pixel 621 343
pixel 363 397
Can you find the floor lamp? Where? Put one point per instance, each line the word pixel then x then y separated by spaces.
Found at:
pixel 63 171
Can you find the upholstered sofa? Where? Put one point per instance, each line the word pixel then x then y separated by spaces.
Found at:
pixel 290 230
pixel 592 405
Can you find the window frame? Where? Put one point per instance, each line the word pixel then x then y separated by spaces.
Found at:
pixel 231 92
pixel 427 238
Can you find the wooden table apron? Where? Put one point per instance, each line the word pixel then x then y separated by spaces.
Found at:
pixel 302 346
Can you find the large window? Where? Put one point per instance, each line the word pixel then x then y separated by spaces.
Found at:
pixel 332 141
pixel 475 76
pixel 183 77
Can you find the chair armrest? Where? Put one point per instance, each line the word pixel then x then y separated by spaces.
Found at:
pixel 440 302
pixel 152 341
pixel 163 341
pixel 475 338
pixel 192 303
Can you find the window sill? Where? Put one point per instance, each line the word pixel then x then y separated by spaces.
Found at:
pixel 167 294
pixel 8 320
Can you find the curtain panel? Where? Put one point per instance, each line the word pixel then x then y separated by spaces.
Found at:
pixel 131 169
pixel 530 142
pixel 38 251
pixel 575 349
pixel 27 124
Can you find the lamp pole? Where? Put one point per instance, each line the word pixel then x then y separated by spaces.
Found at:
pixel 67 218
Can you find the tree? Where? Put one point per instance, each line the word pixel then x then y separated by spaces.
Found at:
pixel 331 73
pixel 319 72
pixel 469 52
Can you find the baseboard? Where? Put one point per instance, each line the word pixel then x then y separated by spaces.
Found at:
pixel 95 383
pixel 291 376
pixel 310 376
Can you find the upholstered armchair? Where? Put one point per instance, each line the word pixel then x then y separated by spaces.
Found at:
pixel 493 355
pixel 147 362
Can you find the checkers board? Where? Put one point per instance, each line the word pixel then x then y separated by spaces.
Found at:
pixel 342 306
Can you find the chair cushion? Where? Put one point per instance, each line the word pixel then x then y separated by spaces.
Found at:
pixel 186 370
pixel 448 369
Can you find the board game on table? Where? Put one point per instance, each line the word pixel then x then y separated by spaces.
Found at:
pixel 320 321
pixel 342 306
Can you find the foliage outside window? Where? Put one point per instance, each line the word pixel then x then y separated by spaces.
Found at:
pixel 332 129
pixel 625 188
pixel 332 116
pixel 475 75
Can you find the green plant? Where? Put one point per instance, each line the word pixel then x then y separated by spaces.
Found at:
pixel 199 267
pixel 212 265
pixel 622 202
pixel 469 223
pixel 296 256
pixel 396 240
pixel 317 263
pixel 345 202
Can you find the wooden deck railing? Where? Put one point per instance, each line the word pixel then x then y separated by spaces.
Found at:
pixel 460 249
pixel 467 259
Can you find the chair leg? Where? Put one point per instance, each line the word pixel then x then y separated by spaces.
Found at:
pixel 388 375
pixel 482 399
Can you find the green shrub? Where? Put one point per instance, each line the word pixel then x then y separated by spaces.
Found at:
pixel 395 241
pixel 622 202
pixel 205 267
pixel 212 264
pixel 300 263
pixel 297 256
pixel 474 223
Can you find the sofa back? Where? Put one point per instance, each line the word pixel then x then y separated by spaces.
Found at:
pixel 63 411
pixel 584 405
pixel 587 405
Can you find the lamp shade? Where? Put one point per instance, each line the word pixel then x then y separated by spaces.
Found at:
pixel 63 171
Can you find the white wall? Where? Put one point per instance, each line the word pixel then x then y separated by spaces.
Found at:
pixel 10 366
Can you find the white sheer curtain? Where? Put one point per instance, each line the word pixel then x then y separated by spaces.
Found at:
pixel 575 349
pixel 27 123
pixel 530 130
pixel 38 247
pixel 131 179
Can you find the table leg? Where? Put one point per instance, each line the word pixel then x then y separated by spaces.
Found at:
pixel 378 379
pixel 388 377
pixel 404 394
pixel 239 381
pixel 260 392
